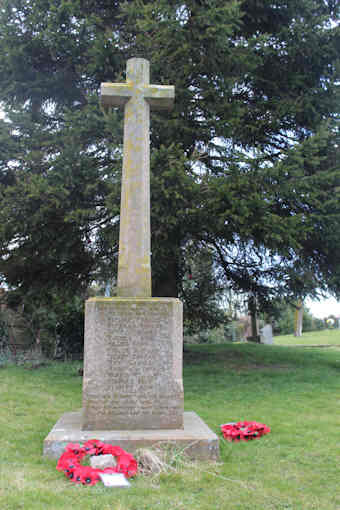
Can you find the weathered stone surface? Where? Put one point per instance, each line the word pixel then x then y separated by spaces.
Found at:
pixel 102 461
pixel 137 96
pixel 133 364
pixel 196 439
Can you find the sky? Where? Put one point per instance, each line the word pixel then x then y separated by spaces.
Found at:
pixel 324 308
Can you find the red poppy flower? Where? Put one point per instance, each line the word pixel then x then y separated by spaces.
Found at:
pixel 132 469
pixel 244 430
pixel 113 450
pixel 62 462
pixel 89 476
pixel 77 474
pixel 70 468
pixel 123 464
pixel 70 474
pixel 75 449
pixel 94 447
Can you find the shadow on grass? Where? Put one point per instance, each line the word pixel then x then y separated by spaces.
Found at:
pixel 252 357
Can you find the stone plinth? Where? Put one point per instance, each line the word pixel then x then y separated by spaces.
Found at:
pixel 133 364
pixel 195 439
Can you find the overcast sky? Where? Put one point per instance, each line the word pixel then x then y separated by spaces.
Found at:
pixel 324 308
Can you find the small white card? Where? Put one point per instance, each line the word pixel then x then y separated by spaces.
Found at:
pixel 114 480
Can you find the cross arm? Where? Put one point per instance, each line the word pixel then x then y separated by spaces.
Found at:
pixel 160 97
pixel 115 94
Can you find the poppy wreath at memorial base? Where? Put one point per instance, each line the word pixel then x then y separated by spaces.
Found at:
pixel 244 430
pixel 69 462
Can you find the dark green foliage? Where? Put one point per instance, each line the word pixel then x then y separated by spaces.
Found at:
pixel 200 291
pixel 246 166
pixel 70 331
pixel 4 335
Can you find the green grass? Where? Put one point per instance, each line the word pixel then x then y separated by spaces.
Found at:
pixel 296 467
pixel 325 337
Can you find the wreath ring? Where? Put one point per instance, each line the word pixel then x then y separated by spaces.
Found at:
pixel 244 430
pixel 70 462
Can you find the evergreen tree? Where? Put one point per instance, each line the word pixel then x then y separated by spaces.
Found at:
pixel 246 166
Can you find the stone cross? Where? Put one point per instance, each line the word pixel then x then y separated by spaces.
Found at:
pixel 137 96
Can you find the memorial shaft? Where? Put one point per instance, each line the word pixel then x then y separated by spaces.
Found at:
pixel 137 96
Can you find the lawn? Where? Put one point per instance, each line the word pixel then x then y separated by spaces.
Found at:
pixel 294 390
pixel 324 338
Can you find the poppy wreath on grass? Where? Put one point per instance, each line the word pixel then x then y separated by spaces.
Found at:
pixel 244 430
pixel 69 462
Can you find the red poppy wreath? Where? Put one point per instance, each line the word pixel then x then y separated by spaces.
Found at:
pixel 69 462
pixel 244 430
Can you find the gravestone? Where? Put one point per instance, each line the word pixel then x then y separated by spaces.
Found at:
pixel 132 384
pixel 266 334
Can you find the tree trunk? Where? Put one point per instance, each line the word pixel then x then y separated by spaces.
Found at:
pixel 255 337
pixel 298 319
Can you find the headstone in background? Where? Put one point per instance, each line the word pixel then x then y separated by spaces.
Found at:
pixel 266 334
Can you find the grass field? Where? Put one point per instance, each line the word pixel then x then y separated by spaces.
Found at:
pixel 325 337
pixel 294 390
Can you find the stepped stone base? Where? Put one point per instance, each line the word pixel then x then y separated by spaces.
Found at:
pixel 196 439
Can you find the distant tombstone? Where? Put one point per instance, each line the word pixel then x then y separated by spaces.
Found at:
pixel 266 334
